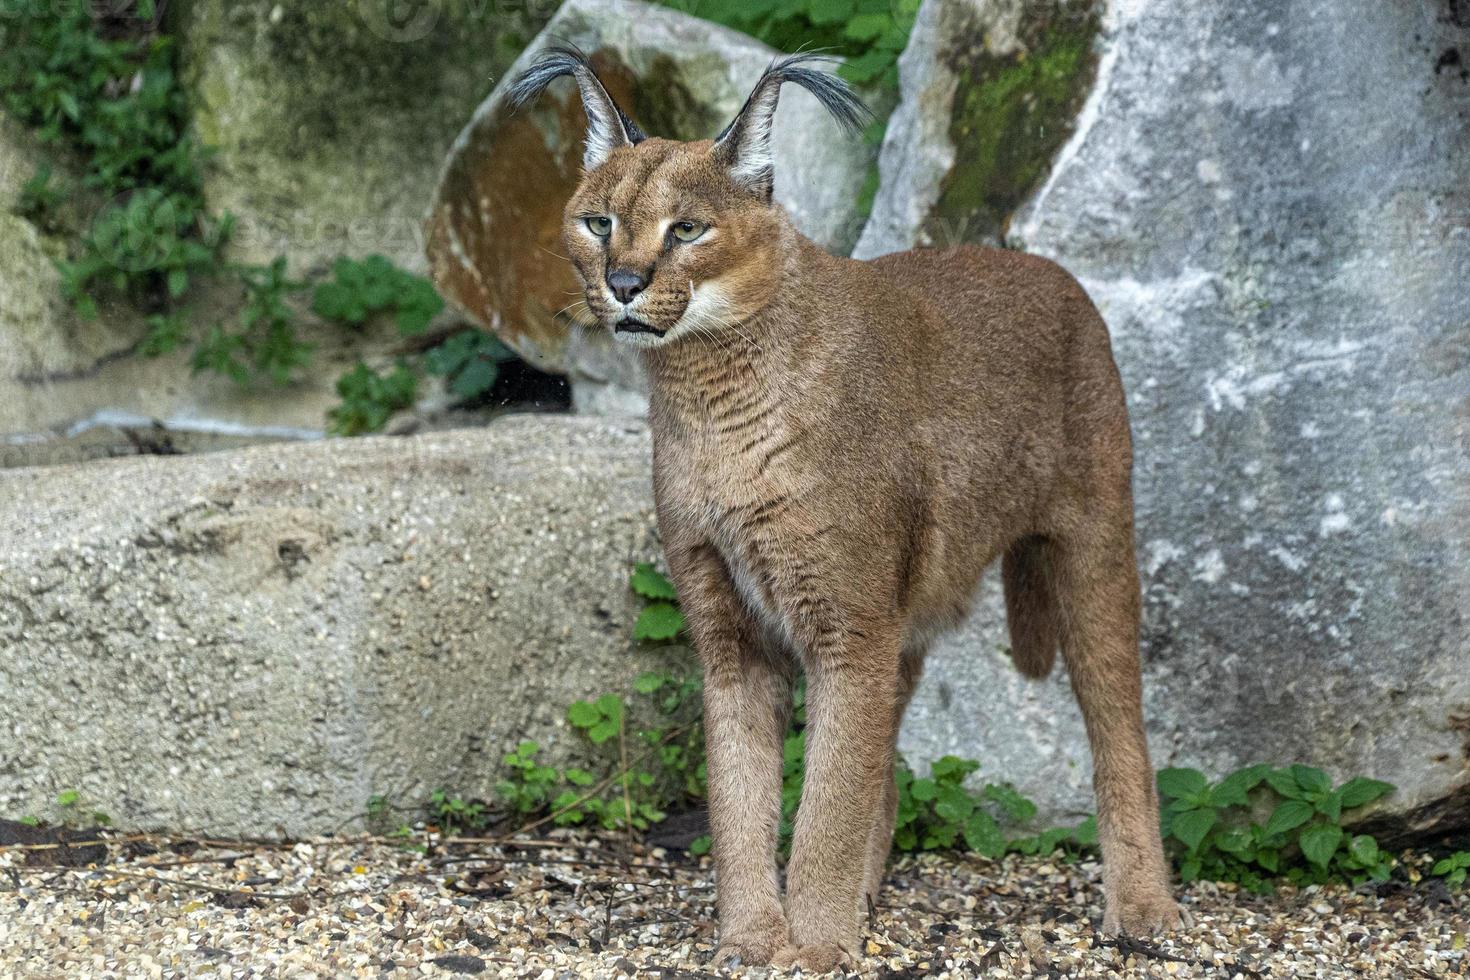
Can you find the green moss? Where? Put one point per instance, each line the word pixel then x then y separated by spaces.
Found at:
pixel 1010 118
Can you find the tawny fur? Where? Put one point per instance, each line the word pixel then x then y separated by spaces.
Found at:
pixel 841 448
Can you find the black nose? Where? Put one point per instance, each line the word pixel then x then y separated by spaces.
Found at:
pixel 625 284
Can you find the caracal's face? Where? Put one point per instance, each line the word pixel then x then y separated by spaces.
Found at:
pixel 667 246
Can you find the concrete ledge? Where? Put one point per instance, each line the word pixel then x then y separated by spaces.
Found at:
pixel 258 641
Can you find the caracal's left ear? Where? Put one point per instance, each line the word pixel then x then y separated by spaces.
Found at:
pixel 608 127
pixel 744 148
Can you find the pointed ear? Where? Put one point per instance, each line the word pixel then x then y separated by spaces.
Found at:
pixel 608 127
pixel 744 148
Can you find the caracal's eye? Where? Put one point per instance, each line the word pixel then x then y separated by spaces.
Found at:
pixel 688 231
pixel 599 224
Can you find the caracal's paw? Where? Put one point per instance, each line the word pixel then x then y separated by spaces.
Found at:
pixel 1143 910
pixel 752 947
pixel 816 958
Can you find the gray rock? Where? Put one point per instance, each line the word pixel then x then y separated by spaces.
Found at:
pixel 329 121
pixel 261 640
pixel 1268 203
pixel 494 232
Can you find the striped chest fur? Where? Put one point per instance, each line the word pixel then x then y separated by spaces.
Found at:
pixel 732 471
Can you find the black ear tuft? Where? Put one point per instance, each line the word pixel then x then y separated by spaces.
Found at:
pixel 608 126
pixel 745 144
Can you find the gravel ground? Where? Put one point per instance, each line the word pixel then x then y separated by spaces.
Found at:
pixel 599 907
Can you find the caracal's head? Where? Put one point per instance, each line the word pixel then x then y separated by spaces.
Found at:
pixel 673 239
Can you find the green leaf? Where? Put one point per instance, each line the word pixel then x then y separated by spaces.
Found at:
pixel 583 715
pixel 1192 826
pixel 828 11
pixel 1085 833
pixel 865 27
pixel 1234 789
pixel 647 582
pixel 68 797
pixel 477 377
pixel 1016 807
pixel 649 683
pixel 1236 842
pixel 1284 783
pixel 700 845
pixel 951 768
pixel 1288 815
pixel 1360 791
pixel 611 707
pixel 1181 783
pixel 924 790
pixel 954 805
pixel 1320 842
pixel 580 777
pixel 1312 781
pixel 602 731
pixel 453 354
pixel 983 836
pixel 1330 806
pixel 1364 850
pixel 659 621
pixel 866 67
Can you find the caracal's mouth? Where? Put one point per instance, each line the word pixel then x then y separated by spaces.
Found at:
pixel 630 325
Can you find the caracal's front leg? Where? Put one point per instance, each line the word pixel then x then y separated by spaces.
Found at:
pixel 851 709
pixel 747 704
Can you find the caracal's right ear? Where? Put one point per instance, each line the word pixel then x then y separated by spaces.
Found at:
pixel 608 127
pixel 744 148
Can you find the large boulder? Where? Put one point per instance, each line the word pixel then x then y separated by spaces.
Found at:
pixel 990 92
pixel 494 232
pixel 1268 202
pixel 261 640
pixel 329 120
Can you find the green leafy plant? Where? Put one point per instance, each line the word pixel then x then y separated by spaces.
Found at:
pixel 599 720
pixel 455 815
pixel 469 362
pixel 39 200
pixel 529 786
pixel 102 84
pixel 869 33
pixel 147 247
pixel 268 324
pixel 370 398
pixel 70 802
pixel 661 618
pixel 362 289
pixel 1217 837
pixel 1453 869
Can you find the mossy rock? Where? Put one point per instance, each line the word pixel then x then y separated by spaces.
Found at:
pixel 1012 112
pixel 990 94
pixel 329 121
